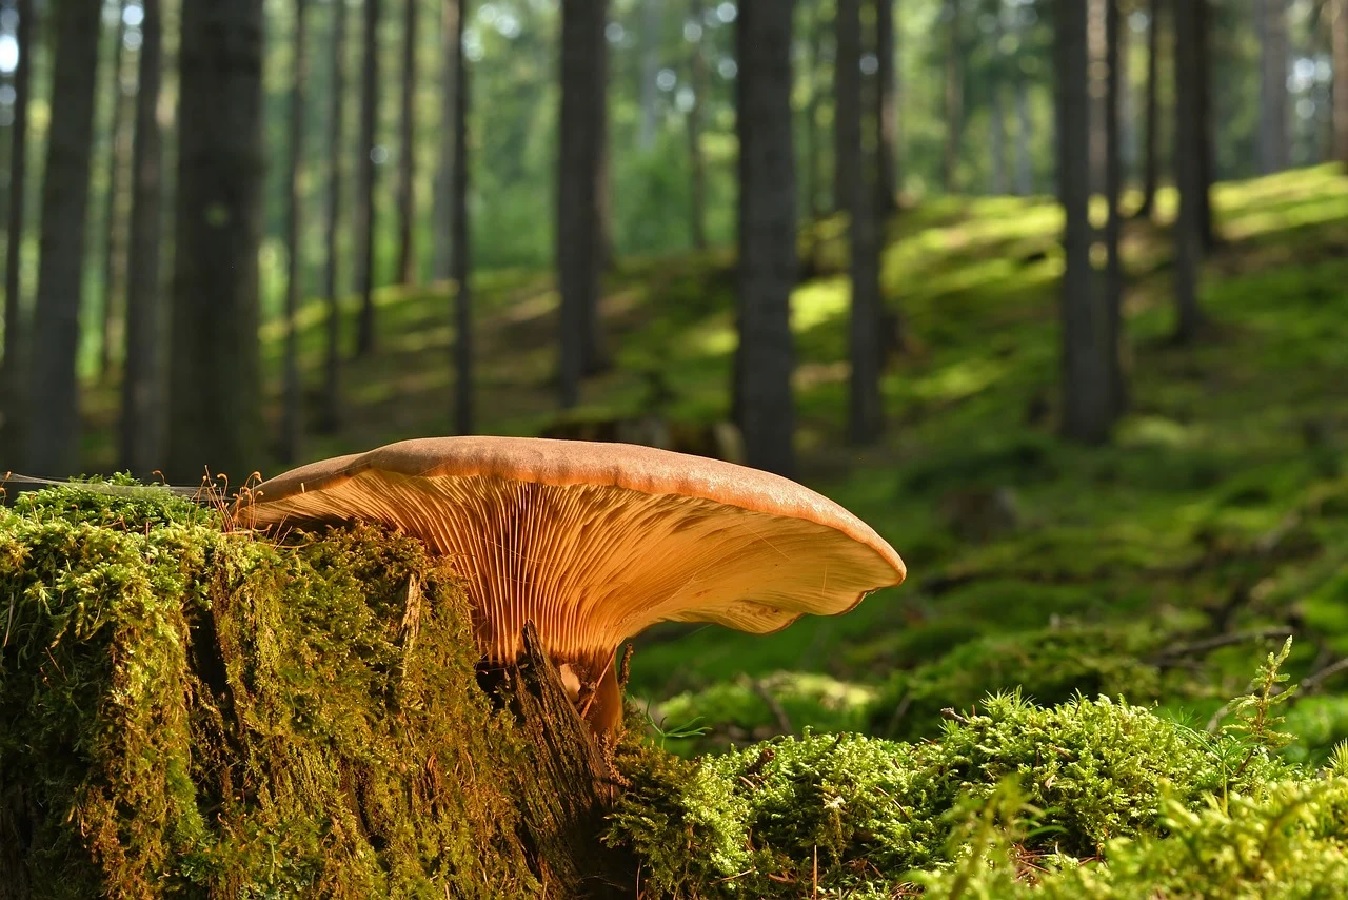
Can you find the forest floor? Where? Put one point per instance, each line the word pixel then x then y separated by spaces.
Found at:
pixel 1221 504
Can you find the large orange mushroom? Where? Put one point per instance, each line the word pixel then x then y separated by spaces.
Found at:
pixel 595 542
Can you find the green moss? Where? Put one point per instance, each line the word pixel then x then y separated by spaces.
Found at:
pixel 190 710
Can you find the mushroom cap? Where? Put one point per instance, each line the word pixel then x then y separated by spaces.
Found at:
pixel 595 542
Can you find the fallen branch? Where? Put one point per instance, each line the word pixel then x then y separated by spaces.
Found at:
pixel 13 484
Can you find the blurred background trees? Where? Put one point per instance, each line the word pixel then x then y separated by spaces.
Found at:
pixel 235 168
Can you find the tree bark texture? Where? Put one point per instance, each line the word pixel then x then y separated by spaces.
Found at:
pixel 1188 146
pixel 1086 384
pixel 886 115
pixel 330 416
pixel 407 200
pixel 1151 153
pixel 215 383
pixel 292 414
pixel 142 423
pixel 765 358
pixel 580 192
pixel 113 256
pixel 1271 23
pixel 462 238
pixel 13 365
pixel 365 174
pixel 53 424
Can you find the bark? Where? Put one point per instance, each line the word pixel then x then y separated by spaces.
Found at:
pixel 1339 42
pixel 581 174
pixel 1114 276
pixel 886 116
pixel 954 98
pixel 142 377
pixel 53 426
pixel 113 257
pixel 291 412
pixel 330 416
pixel 462 272
pixel 13 365
pixel 846 111
pixel 407 201
pixel 365 174
pixel 214 371
pixel 1151 111
pixel 697 78
pixel 1271 23
pixel 1086 385
pixel 1188 235
pixel 765 359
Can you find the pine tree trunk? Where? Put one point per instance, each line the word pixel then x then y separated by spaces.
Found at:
pixel 648 94
pixel 580 190
pixel 363 245
pixel 407 205
pixel 1151 150
pixel 1202 13
pixel 13 366
pixel 697 77
pixel 846 112
pixel 1271 23
pixel 886 116
pixel 1188 233
pixel 954 98
pixel 462 273
pixel 288 448
pixel 53 426
pixel 442 266
pixel 112 252
pixel 1024 134
pixel 142 378
pixel 330 416
pixel 765 359
pixel 1086 382
pixel 1339 43
pixel 214 418
pixel 1113 346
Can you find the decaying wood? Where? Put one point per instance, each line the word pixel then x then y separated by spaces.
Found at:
pixel 567 789
pixel 13 484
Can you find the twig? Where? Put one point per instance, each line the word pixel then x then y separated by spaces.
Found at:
pixel 774 706
pixel 1169 656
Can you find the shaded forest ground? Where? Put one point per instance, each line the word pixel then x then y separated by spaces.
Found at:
pixel 1222 504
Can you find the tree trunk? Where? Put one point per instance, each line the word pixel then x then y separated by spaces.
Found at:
pixel 214 384
pixel 112 252
pixel 1203 136
pixel 765 358
pixel 648 93
pixel 292 414
pixel 365 173
pixel 1188 233
pixel 463 298
pixel 1114 336
pixel 1151 150
pixel 1086 383
pixel 580 189
pixel 142 377
pixel 846 114
pixel 330 417
pixel 954 98
pixel 442 265
pixel 1024 134
pixel 407 201
pixel 997 112
pixel 1271 23
pixel 697 78
pixel 13 366
pixel 53 426
pixel 1339 41
pixel 887 132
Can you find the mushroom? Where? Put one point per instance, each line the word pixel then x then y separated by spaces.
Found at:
pixel 595 542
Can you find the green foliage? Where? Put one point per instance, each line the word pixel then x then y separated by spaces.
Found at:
pixel 195 711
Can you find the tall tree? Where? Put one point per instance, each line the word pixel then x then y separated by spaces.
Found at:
pixel 1188 230
pixel 1339 45
pixel 997 109
pixel 1151 150
pixel 954 95
pixel 765 360
pixel 1115 75
pixel 865 411
pixel 142 379
pixel 113 258
pixel 454 15
pixel 292 415
pixel 12 367
pixel 53 426
pixel 214 384
pixel 1087 405
pixel 886 115
pixel 442 264
pixel 846 112
pixel 407 200
pixel 329 418
pixel 580 188
pixel 697 79
pixel 365 174
pixel 1271 23
pixel 1203 136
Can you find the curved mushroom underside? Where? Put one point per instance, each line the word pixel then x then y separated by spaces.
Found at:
pixel 591 565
